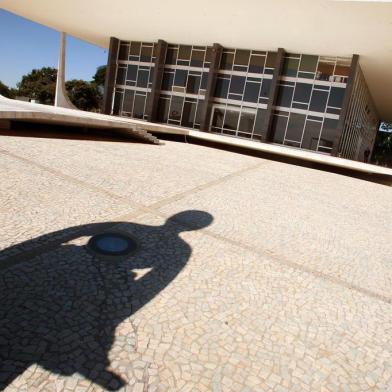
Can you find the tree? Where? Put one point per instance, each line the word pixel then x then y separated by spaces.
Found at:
pixel 382 154
pixel 5 91
pixel 83 95
pixel 99 77
pixel 39 84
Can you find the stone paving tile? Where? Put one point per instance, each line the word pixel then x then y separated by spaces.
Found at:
pixel 287 289
pixel 35 202
pixel 133 170
pixel 187 312
pixel 324 222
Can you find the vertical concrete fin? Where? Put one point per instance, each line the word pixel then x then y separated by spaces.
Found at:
pixel 153 102
pixel 268 135
pixel 216 55
pixel 110 77
pixel 61 98
pixel 346 103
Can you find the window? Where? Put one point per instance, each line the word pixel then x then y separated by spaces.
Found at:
pixel 259 123
pixel 279 128
pixel 142 78
pixel 336 97
pixel 295 127
pixel 128 101
pixel 285 95
pixel 188 114
pixel 180 78
pixel 217 119
pixel 303 92
pixel 176 108
pixel 132 72
pixel 146 54
pixel 231 119
pixel 222 88
pixel 135 48
pixel 246 122
pixel 329 134
pixel 241 57
pixel 237 84
pixel 193 84
pixel 251 92
pixel 318 101
pixel 227 61
pixel 256 64
pixel 123 52
pixel 167 82
pixel 290 67
pixel 120 79
pixel 308 63
pixel 138 107
pixel 311 135
pixel 265 88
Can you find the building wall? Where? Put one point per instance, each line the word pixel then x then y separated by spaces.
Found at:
pixel 362 123
pixel 305 112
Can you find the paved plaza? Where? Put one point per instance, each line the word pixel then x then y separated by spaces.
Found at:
pixel 250 274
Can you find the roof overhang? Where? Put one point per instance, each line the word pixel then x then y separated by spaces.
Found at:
pixel 325 27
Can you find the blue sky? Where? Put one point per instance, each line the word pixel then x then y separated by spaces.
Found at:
pixel 25 45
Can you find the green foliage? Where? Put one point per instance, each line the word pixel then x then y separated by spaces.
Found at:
pixel 83 95
pixel 39 84
pixel 382 154
pixel 5 91
pixel 99 77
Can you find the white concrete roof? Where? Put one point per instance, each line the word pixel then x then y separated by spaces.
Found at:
pixel 25 111
pixel 325 27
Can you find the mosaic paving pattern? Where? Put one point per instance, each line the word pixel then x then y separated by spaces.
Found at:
pixel 251 275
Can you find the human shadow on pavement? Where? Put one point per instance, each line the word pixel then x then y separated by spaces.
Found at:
pixel 60 309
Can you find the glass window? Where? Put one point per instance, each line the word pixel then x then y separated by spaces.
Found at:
pixel 138 107
pixel 329 133
pixel 135 48
pixel 237 84
pixel 343 67
pixel 197 58
pixel 146 54
pixel 303 92
pixel 251 92
pixel 132 72
pixel 217 118
pixel 176 108
pixel 256 64
pixel 180 78
pixel 167 82
pixel 336 97
pixel 142 78
pixel 171 56
pixel 290 67
pixel 123 53
pixel 128 101
pixel 242 57
pixel 188 114
pixel 259 124
pixel 265 88
pixel 279 128
pixel 185 52
pixel 246 122
pixel 271 60
pixel 222 88
pixel 311 135
pixel 318 102
pixel 324 70
pixel 120 79
pixel 199 112
pixel 285 96
pixel 204 79
pixel 231 119
pixel 295 127
pixel 227 61
pixel 308 63
pixel 193 84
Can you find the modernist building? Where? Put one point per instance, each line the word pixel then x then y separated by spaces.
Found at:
pixel 318 103
pixel 301 74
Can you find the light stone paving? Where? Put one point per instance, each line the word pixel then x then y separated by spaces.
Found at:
pixel 251 275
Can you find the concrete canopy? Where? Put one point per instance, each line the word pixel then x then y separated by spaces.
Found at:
pixel 325 27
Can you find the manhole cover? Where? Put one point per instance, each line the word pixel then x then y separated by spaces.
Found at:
pixel 112 244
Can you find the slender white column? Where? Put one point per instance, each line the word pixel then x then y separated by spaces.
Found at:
pixel 61 98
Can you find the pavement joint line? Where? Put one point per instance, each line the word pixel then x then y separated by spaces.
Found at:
pixel 140 209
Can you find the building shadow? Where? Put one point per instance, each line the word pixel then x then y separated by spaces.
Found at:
pixel 60 309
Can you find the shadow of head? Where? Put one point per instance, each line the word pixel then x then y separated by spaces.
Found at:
pixel 191 220
pixel 68 324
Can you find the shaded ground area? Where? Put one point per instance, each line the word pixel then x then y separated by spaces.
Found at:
pixel 281 282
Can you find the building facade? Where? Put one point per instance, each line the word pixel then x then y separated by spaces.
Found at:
pixel 312 102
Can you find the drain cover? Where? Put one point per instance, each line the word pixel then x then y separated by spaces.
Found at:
pixel 112 244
